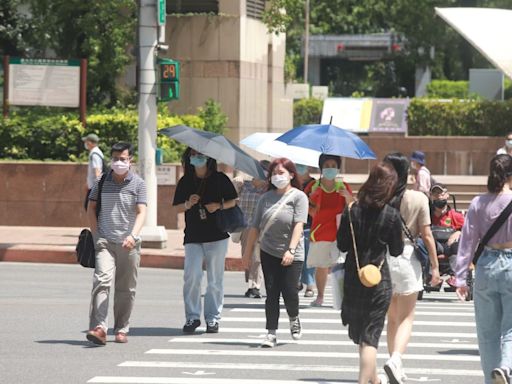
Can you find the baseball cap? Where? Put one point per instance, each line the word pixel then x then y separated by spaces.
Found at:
pixel 438 186
pixel 418 157
pixel 91 137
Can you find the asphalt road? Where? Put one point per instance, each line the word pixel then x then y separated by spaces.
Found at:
pixel 44 317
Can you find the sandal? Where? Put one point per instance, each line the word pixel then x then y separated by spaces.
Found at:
pixel 317 303
pixel 309 293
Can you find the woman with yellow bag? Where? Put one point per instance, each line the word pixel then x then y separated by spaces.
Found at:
pixel 368 230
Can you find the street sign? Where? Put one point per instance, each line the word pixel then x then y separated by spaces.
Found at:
pixel 168 79
pixel 161 12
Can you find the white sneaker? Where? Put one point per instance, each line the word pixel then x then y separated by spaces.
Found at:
pixel 501 376
pixel 394 371
pixel 295 329
pixel 383 379
pixel 270 341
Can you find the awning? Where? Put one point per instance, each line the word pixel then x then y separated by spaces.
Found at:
pixel 487 29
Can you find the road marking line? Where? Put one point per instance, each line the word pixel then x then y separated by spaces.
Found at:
pixel 335 311
pixel 291 367
pixel 192 380
pixel 278 353
pixel 257 341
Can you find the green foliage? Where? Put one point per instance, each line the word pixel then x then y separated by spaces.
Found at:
pixel 459 118
pixel 15 29
pixel 214 119
pixel 446 89
pixel 508 88
pixel 307 111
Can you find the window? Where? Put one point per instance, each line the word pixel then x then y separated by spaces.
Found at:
pixel 193 6
pixel 255 8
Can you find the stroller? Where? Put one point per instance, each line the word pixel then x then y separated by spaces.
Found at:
pixel 446 257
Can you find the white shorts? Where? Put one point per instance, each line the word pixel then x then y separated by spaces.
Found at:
pixel 406 272
pixel 322 254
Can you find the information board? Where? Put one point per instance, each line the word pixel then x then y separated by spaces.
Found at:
pixel 46 82
pixel 389 115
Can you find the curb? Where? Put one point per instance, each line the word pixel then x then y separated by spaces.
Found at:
pixel 60 256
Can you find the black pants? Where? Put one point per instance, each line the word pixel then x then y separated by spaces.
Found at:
pixel 280 280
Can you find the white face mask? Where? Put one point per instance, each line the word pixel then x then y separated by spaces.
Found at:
pixel 120 167
pixel 280 181
pixel 86 146
pixel 508 143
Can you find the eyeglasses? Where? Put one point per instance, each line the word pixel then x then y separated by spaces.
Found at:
pixel 123 159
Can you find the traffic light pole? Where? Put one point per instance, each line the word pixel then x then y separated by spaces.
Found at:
pixel 153 236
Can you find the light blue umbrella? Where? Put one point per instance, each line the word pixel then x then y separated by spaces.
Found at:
pixel 328 139
pixel 217 147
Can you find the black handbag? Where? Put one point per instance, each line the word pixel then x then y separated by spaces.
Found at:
pixel 230 219
pixel 442 234
pixel 85 252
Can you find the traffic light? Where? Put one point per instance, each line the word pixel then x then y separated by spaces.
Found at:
pixel 168 79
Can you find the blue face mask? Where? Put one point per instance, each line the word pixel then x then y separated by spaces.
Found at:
pixel 198 161
pixel 302 169
pixel 329 173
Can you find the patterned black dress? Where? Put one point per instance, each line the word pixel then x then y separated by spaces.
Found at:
pixel 364 309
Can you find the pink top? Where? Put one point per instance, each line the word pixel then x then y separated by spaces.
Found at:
pixel 483 211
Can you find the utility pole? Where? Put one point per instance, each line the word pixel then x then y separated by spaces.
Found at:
pixel 306 44
pixel 152 235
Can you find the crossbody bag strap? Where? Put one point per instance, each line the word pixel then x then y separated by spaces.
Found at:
pixel 354 240
pixel 407 231
pixel 492 230
pixel 286 198
pixel 98 201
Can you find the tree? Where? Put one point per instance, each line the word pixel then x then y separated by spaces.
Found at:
pixel 15 29
pixel 99 30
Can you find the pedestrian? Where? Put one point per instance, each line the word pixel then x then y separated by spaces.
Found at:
pixel 327 198
pixel 375 227
pixel 307 276
pixel 493 280
pixel 200 193
pixel 249 192
pixel 116 232
pixel 278 223
pixel 94 165
pixel 406 270
pixel 507 148
pixel 422 176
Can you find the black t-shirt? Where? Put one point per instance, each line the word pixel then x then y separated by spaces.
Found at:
pixel 200 225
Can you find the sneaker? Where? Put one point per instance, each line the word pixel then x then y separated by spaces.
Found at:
pixel 256 294
pixel 121 337
pixel 270 341
pixel 97 336
pixel 309 293
pixel 295 329
pixel 500 376
pixel 248 293
pixel 394 371
pixel 191 325
pixel 212 327
pixel 383 379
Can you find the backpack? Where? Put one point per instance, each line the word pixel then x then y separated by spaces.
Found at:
pixel 104 165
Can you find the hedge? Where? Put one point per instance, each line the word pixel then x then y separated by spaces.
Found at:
pixel 307 111
pixel 446 89
pixel 459 118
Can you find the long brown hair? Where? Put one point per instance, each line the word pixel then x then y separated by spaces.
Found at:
pixel 289 166
pixel 380 186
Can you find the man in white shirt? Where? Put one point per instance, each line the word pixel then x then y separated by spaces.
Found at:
pixel 422 181
pixel 507 149
pixel 96 159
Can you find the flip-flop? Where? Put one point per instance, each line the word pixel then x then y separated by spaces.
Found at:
pixel 316 303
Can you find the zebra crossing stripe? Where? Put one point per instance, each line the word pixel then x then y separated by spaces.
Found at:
pixel 257 341
pixel 277 353
pixel 290 367
pixel 336 312
pixel 192 380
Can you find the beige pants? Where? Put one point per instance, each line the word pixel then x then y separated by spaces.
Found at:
pixel 255 271
pixel 113 261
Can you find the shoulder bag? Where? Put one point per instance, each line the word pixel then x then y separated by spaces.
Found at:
pixel 370 274
pixel 422 257
pixel 85 252
pixel 492 231
pixel 230 219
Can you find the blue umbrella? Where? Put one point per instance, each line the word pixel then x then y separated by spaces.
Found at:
pixel 328 139
pixel 217 147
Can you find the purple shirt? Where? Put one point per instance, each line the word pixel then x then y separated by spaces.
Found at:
pixel 483 211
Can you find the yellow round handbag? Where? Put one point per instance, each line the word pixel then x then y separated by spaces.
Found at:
pixel 370 274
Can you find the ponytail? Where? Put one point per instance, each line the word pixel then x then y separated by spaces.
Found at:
pixel 500 170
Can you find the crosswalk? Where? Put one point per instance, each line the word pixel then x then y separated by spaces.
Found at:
pixel 443 349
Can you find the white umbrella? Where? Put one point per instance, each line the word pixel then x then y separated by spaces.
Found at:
pixel 265 142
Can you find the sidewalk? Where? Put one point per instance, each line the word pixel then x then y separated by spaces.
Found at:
pixel 57 245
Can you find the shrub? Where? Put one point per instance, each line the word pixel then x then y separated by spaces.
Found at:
pixel 459 118
pixel 307 111
pixel 446 89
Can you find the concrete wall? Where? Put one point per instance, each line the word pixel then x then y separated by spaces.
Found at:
pixel 232 59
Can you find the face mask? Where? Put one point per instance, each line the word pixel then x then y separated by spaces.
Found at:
pixel 508 143
pixel 198 161
pixel 440 203
pixel 329 173
pixel 86 147
pixel 120 167
pixel 302 169
pixel 280 181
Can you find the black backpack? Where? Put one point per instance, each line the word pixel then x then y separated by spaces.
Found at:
pixel 104 165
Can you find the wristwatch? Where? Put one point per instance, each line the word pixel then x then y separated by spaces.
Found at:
pixel 292 251
pixel 137 239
